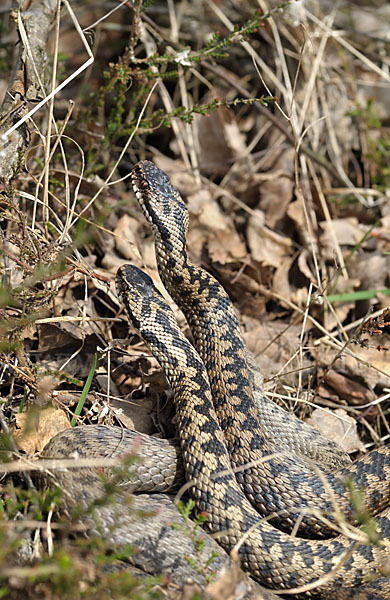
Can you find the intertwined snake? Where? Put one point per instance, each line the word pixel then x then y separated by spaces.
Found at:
pixel 272 557
pixel 207 424
pixel 197 293
pixel 280 483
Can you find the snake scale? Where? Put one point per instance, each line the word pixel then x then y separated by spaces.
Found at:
pixel 207 425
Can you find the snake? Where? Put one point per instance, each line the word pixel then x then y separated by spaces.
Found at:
pixel 276 482
pixel 165 211
pixel 273 557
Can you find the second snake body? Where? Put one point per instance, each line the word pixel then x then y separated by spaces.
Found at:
pixel 271 556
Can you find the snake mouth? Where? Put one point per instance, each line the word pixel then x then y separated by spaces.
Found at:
pixel 143 195
pixel 136 290
pixel 161 204
pixel 153 190
pixel 131 277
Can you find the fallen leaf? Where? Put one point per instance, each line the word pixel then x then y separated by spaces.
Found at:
pixel 266 246
pixel 372 365
pixel 223 243
pixel 275 196
pixel 126 240
pixel 373 271
pixel 220 140
pixel 352 391
pixel 50 421
pixel 273 345
pixel 347 232
pixel 338 426
pixel 280 281
pixel 207 211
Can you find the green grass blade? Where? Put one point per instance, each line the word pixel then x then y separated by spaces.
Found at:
pixel 23 400
pixel 358 295
pixel 85 391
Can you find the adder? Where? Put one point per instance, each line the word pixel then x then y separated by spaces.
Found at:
pixel 275 482
pixel 272 557
pixel 320 568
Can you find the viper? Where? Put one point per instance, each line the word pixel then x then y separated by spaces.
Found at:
pixel 271 556
pixel 206 402
pixel 275 482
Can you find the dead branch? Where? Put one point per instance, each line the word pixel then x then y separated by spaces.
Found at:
pixel 27 86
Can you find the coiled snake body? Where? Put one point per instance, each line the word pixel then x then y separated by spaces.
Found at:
pixel 271 556
pixel 280 483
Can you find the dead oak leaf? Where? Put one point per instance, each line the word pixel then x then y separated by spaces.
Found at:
pixel 222 240
pixel 338 426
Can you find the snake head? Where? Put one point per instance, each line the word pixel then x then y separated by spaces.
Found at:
pixel 154 320
pixel 161 204
pixel 136 290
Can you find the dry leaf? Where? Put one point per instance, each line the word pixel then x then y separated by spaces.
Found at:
pixel 50 422
pixel 275 194
pixel 220 140
pixel 226 246
pixel 352 391
pixel 373 367
pixel 54 336
pixel 280 281
pixel 126 241
pixel 347 232
pixel 303 265
pixel 135 414
pixel 297 214
pixel 207 211
pixel 273 357
pixel 217 229
pixel 266 246
pixel 373 270
pixel 376 359
pixel 338 426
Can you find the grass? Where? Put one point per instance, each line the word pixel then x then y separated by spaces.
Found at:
pixel 81 402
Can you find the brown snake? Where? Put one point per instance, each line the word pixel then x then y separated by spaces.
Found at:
pixel 272 557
